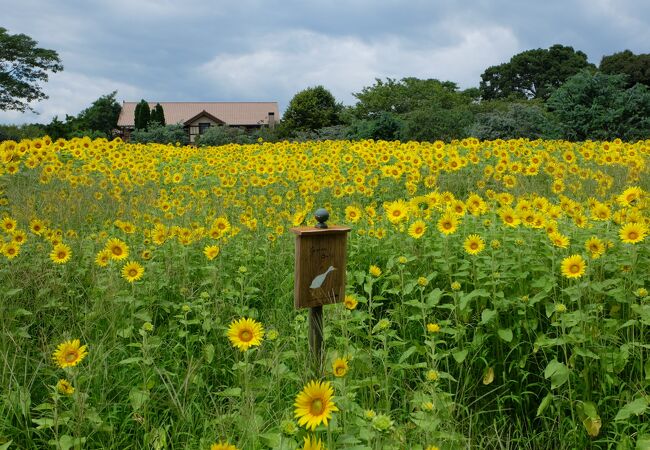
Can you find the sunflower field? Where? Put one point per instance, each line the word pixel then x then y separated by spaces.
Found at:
pixel 497 296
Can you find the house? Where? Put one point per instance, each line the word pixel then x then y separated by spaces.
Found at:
pixel 196 117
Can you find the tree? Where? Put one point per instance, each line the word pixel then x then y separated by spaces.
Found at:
pixel 19 132
pixel 636 67
pixel 401 97
pixel 385 126
pixel 136 116
pixel 517 120
pixel 309 110
pixel 158 115
pixel 102 115
pixel 599 106
pixel 142 115
pixel 412 109
pixel 533 73
pixel 23 66
pixel 57 129
pixel 98 120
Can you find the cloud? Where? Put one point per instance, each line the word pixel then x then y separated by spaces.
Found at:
pixel 70 93
pixel 626 21
pixel 288 62
pixel 271 49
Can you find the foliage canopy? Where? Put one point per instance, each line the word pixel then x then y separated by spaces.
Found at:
pixel 599 106
pixel 636 67
pixel 23 66
pixel 311 109
pixel 533 73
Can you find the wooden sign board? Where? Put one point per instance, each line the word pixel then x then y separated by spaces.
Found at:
pixel 320 265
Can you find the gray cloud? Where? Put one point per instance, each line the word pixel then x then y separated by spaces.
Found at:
pixel 269 50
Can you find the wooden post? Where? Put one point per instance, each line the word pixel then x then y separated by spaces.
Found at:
pixel 316 337
pixel 319 276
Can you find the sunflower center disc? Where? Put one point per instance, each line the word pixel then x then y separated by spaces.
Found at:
pixel 246 336
pixel 70 357
pixel 317 406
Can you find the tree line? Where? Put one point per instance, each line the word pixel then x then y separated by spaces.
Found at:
pixel 552 93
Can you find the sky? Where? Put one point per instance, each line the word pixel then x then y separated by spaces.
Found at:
pixel 267 50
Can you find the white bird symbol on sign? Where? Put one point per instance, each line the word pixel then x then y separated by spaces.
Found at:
pixel 320 279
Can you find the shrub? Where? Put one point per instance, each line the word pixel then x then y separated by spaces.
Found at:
pixel 223 134
pixel 168 134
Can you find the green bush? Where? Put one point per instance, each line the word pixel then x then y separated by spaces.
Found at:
pixel 223 134
pixel 518 120
pixel 598 106
pixel 19 132
pixel 333 133
pixel 168 134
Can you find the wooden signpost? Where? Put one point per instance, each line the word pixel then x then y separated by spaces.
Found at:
pixel 321 254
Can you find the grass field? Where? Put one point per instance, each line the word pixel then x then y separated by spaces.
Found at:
pixel 497 296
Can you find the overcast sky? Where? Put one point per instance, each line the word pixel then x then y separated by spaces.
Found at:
pixel 266 50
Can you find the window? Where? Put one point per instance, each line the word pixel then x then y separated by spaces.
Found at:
pixel 204 126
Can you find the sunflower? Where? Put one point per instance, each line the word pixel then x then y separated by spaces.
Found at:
pixel 350 302
pixel 340 367
pixel 458 207
pixel 557 187
pixel 595 246
pixel 64 387
pixel 69 354
pixel 8 224
pixel 19 237
pixel 223 446
pixel 211 251
pixel 559 240
pixel 222 224
pixel 448 223
pixel 314 404
pixel 103 258
pixel 374 271
pixel 432 375
pixel 352 214
pixel 245 333
pixel 580 220
pixel 36 226
pixel 474 244
pixel 119 250
pixel 60 254
pixel 10 250
pixel 573 266
pixel 631 233
pixel 132 271
pixel 629 196
pixel 396 211
pixel 417 229
pixel 601 212
pixel 313 444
